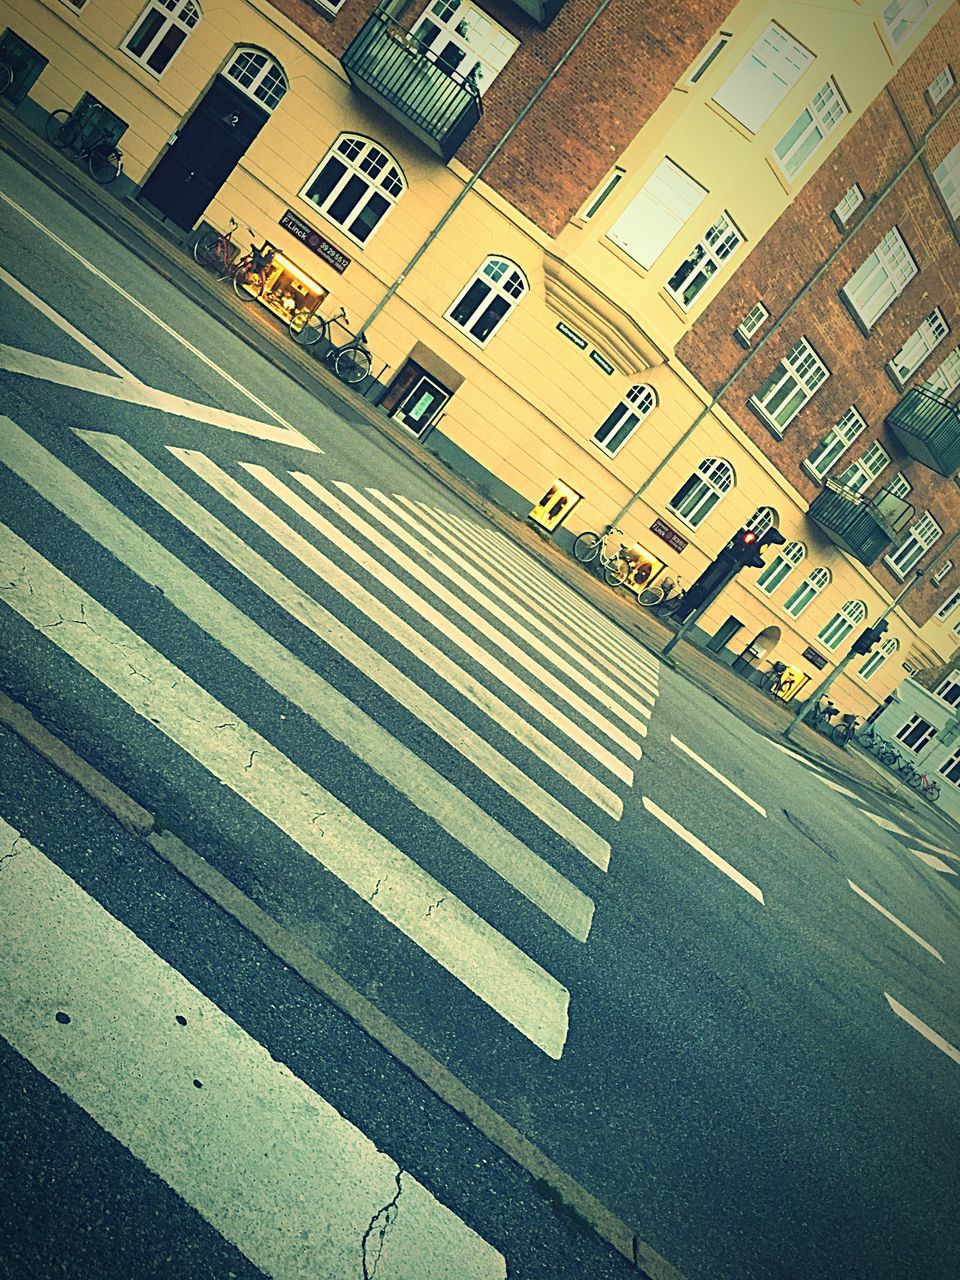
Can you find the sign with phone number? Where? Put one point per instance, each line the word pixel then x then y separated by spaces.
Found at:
pixel 315 242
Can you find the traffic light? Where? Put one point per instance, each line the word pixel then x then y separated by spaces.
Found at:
pixel 869 637
pixel 745 546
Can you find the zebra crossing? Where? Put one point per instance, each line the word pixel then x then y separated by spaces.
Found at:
pixel 555 725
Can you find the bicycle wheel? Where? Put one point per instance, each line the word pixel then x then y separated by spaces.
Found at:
pixel 352 364
pixel 890 756
pixel 310 332
pixel 616 572
pixel 931 791
pixel 6 77
pixel 907 771
pixel 587 547
pixel 104 164
pixel 650 596
pixel 61 128
pixel 840 735
pixel 206 250
pixel 247 282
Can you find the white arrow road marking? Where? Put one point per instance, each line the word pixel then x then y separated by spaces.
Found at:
pixel 268 1162
pixel 893 919
pixel 721 863
pixel 928 1033
pixel 395 886
pixel 932 861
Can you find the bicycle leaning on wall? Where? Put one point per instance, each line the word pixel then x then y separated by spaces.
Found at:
pixel 595 549
pixel 73 131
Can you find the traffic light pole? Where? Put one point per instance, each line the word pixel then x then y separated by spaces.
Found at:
pixel 691 618
pixel 841 666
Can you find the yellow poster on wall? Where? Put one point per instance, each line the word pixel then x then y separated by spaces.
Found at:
pixel 555 505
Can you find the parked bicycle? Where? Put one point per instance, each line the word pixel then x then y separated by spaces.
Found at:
pixel 250 273
pixel 594 549
pixel 662 597
pixel 6 77
pixel 772 681
pixel 845 729
pixel 919 781
pixel 70 131
pixel 351 360
pixel 216 249
pixel 822 714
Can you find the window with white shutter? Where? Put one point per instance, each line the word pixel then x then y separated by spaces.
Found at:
pixel 928 334
pixel 881 279
pixel 656 213
pixel 947 177
pixel 763 78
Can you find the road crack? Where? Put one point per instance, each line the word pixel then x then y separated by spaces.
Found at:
pixel 385 1216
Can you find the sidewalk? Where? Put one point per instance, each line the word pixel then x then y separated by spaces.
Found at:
pixel 152 244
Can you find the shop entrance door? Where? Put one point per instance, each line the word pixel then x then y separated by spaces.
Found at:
pixel 419 407
pixel 210 142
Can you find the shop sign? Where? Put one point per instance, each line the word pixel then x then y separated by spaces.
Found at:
pixel 601 361
pixel 315 242
pixel 816 659
pixel 669 536
pixel 572 335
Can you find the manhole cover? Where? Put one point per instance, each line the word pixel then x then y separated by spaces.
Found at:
pixel 810 833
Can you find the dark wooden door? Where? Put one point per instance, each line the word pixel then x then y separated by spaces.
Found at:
pixel 209 144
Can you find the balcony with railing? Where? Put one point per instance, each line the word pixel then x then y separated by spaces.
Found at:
pixel 394 69
pixel 542 12
pixel 929 429
pixel 863 526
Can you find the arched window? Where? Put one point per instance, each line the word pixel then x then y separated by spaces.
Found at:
pixel 842 623
pixel 876 659
pixel 619 425
pixel 355 186
pixel 484 304
pixel 817 579
pixel 781 566
pixel 695 499
pixel 161 30
pixel 258 75
pixel 763 518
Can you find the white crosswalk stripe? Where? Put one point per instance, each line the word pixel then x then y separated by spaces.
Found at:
pixel 528 698
pixel 201 1103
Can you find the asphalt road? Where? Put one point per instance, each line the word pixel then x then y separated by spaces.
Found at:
pixel 488 809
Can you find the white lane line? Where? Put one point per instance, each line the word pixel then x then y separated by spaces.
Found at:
pixel 928 1033
pixel 456 813
pixel 721 863
pixel 555 597
pixel 518 598
pixel 161 324
pixel 322 623
pixel 835 786
pixel 416 570
pixel 66 327
pixel 95 383
pixel 482 595
pixel 807 764
pixel 392 884
pixel 933 861
pixel 893 920
pixel 719 776
pixel 201 1103
pixel 266 519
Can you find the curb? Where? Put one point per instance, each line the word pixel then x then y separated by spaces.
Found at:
pixel 562 1192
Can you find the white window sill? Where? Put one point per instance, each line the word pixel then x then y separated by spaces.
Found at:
pixel 773 427
pixel 897 573
pixel 815 475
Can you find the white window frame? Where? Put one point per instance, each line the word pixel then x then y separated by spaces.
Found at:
pixel 175 15
pixel 880 279
pixel 763 518
pixel 482 49
pixel 848 204
pixel 948 606
pixel 606 188
pixel 707 58
pixel 833 633
pixel 901 17
pixel 809 131
pixel 835 443
pixel 656 214
pixel 803 596
pixel 876 659
pixel 751 322
pixel 259 76
pixel 921 537
pixel 923 730
pixel 503 280
pixel 363 162
pixel 946 377
pixel 704 489
pixel 763 77
pixel 621 423
pixel 947 177
pixel 938 576
pixel 948 690
pixel 951 768
pixel 865 469
pixel 790 387
pixel 717 244
pixel 924 340
pixel 898 487
pixel 940 85
pixel 780 567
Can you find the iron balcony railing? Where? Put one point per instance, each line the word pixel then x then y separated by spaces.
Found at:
pixel 404 77
pixel 929 429
pixel 863 526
